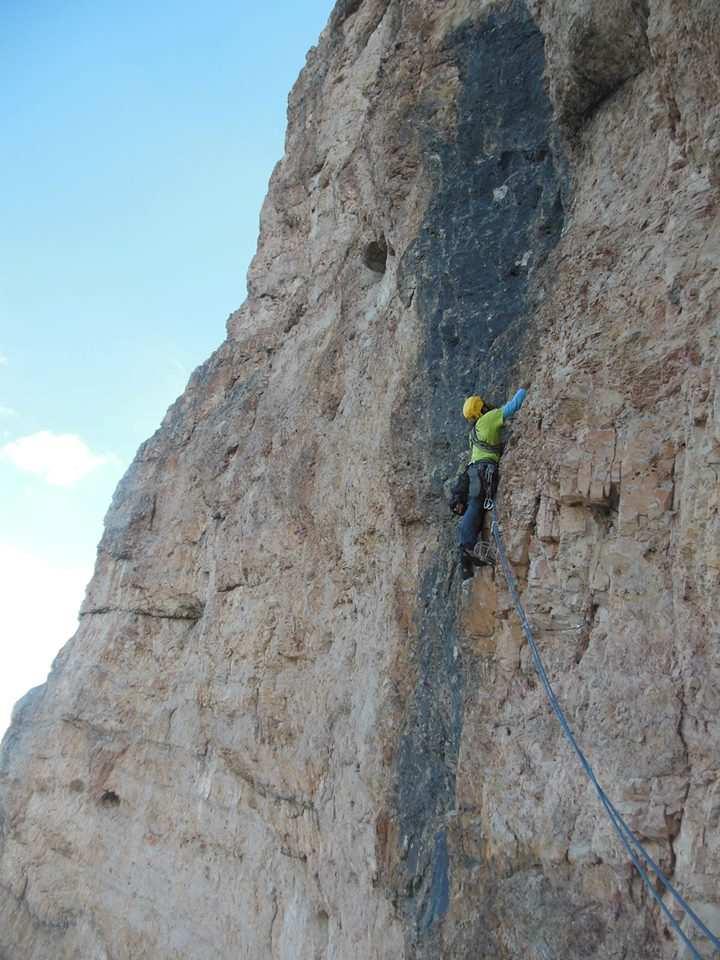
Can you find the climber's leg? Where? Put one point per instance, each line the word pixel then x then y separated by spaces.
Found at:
pixel 468 530
pixel 471 523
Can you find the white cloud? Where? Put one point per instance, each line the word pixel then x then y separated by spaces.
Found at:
pixel 61 459
pixel 7 411
pixel 41 600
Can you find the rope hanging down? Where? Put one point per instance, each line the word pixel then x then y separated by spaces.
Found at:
pixel 627 837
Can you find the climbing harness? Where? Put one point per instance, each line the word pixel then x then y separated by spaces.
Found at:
pixel 475 441
pixel 627 837
pixel 483 480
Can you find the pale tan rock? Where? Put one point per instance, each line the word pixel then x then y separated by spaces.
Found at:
pixel 478 613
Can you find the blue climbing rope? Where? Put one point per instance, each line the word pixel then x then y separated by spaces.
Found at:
pixel 630 842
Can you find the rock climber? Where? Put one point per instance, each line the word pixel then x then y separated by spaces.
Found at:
pixel 475 490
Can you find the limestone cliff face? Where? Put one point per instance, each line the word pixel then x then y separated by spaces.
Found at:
pixel 284 729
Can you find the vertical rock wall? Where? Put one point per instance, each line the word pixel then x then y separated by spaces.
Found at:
pixel 284 729
pixel 495 210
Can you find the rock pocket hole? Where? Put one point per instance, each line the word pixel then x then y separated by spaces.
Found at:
pixel 375 255
pixel 110 799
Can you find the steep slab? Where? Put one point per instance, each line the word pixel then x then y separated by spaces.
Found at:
pixel 284 729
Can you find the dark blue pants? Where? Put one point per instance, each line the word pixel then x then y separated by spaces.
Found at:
pixel 471 523
pixel 483 483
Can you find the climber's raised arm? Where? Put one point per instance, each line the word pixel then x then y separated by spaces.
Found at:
pixel 512 406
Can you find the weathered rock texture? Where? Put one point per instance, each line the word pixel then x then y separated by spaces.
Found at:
pixel 284 729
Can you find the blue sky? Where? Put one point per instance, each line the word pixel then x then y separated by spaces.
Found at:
pixel 136 146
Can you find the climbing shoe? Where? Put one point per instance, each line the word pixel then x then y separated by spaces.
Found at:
pixel 467 564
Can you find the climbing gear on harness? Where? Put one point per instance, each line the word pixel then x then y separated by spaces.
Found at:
pixel 483 479
pixel 484 554
pixel 489 504
pixel 472 408
pixel 630 842
pixel 460 492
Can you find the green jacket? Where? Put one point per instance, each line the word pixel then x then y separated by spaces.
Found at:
pixel 487 429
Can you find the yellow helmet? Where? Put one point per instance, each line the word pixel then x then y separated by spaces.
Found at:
pixel 472 408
